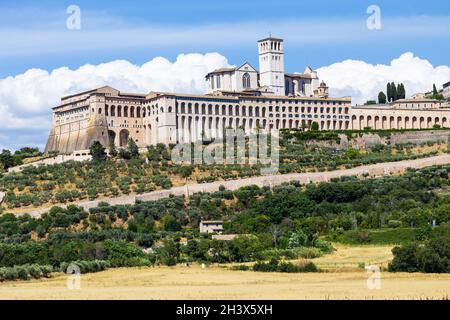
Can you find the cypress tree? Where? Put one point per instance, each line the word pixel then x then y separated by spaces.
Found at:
pixel 389 92
pixel 399 91
pixel 435 92
pixel 394 91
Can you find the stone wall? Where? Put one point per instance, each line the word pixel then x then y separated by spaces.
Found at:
pixel 79 156
pixel 368 140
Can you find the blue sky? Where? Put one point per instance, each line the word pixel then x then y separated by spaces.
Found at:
pixel 341 25
pixel 318 33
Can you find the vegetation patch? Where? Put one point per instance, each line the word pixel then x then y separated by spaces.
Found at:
pixel 275 265
pixel 25 272
pixel 432 256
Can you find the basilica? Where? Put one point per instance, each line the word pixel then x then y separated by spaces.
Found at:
pixel 241 97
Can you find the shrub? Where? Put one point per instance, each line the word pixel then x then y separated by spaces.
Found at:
pixel 394 224
pixel 25 272
pixel 240 267
pixel 308 252
pixel 432 257
pixel 405 258
pixel 275 266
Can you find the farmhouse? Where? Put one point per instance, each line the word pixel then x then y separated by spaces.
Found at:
pixel 211 226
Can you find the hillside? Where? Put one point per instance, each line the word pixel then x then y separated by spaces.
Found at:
pixel 44 186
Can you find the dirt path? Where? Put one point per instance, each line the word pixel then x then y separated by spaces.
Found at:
pixel 374 170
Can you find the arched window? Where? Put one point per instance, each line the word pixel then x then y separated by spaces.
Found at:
pixel 246 81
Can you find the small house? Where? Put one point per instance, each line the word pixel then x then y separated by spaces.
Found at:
pixel 211 226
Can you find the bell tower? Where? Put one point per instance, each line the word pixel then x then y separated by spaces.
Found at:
pixel 271 64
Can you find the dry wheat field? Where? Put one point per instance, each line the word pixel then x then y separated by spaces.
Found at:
pixel 342 279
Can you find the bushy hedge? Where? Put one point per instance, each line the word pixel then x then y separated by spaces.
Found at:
pixel 25 272
pixel 302 252
pixel 288 267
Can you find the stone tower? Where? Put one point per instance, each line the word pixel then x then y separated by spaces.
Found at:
pixel 271 64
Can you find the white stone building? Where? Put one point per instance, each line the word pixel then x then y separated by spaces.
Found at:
pixel 211 226
pixel 446 90
pixel 271 78
pixel 241 97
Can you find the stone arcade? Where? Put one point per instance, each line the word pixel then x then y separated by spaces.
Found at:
pixel 242 97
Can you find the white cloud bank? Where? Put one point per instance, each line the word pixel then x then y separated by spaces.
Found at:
pixel 363 81
pixel 26 99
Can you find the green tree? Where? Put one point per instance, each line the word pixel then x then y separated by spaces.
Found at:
pixel 169 252
pixel 393 91
pixel 170 223
pixel 399 92
pixel 97 151
pixel 153 154
pixel 133 148
pixel 403 91
pixel 389 92
pixel 112 149
pixel 314 126
pixel 6 159
pixel 381 98
pixel 435 92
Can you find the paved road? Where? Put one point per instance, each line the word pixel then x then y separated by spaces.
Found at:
pixel 373 170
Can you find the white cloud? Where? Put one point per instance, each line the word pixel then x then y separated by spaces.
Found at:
pixel 26 99
pixel 363 81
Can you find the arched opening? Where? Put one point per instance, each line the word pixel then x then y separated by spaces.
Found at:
pixel 124 136
pixel 112 136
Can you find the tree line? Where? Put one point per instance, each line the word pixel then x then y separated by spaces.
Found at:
pixel 393 93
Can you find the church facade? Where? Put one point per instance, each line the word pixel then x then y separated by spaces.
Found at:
pixel 242 97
